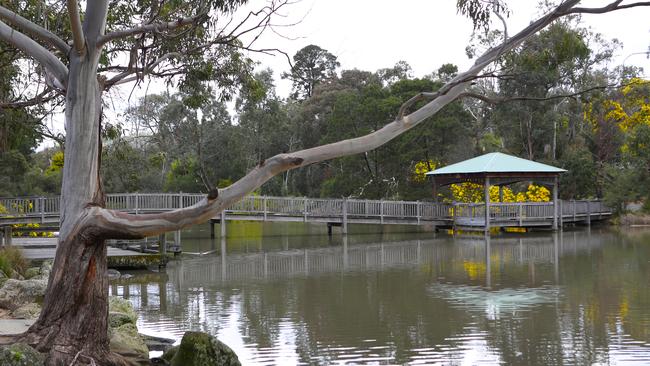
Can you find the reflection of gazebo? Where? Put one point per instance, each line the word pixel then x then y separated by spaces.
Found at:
pixel 498 169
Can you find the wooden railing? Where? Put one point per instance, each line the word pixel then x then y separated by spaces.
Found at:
pixel 265 206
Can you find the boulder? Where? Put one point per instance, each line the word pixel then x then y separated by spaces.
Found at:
pixel 27 311
pixel 126 337
pixel 116 319
pixel 122 306
pixel 15 293
pixel 3 278
pixel 20 354
pixel 198 349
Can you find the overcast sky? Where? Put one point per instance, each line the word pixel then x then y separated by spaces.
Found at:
pixel 373 34
pixel 370 35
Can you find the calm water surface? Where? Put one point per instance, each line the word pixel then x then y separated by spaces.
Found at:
pixel 284 294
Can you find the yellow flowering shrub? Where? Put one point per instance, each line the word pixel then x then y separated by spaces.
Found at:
pixel 421 168
pixel 473 193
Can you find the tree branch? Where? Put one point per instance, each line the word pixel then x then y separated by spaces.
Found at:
pixel 43 97
pixel 499 100
pixel 32 49
pixel 34 29
pixel 75 26
pixel 152 27
pixel 123 78
pixel 113 223
pixel 607 8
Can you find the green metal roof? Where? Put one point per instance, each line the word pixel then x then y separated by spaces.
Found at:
pixel 496 163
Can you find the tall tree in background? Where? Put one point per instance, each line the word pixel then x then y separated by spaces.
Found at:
pixel 312 65
pixel 181 41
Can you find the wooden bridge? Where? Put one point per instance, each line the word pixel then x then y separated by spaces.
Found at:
pixel 334 212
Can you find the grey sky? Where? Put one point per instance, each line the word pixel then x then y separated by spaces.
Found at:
pixel 373 34
pixel 369 35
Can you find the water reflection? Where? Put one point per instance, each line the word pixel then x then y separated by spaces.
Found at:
pixel 565 298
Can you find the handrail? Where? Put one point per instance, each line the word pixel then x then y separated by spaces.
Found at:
pixel 317 207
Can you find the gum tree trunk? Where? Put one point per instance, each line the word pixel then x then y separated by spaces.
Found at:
pixel 73 322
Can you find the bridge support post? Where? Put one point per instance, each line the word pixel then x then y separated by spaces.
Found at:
pixel 344 224
pixel 177 238
pixel 486 187
pixel 329 229
pixel 162 250
pixel 555 205
pixel 211 229
pixel 588 212
pixel 223 223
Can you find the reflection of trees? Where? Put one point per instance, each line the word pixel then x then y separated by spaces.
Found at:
pixel 342 296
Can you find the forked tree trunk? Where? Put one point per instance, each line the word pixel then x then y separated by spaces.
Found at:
pixel 74 316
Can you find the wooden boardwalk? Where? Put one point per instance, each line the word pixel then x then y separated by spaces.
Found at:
pixel 45 248
pixel 334 212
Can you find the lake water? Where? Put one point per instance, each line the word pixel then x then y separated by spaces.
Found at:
pixel 285 294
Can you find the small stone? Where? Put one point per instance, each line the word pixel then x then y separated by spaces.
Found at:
pixel 28 311
pixel 20 354
pixel 113 274
pixel 126 276
pixel 46 269
pixel 198 349
pixel 32 272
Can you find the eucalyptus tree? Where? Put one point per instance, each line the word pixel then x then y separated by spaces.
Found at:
pixel 312 65
pixel 187 42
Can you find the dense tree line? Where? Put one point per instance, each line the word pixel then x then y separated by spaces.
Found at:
pixel 554 99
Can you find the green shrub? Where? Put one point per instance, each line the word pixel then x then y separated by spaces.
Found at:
pixel 12 260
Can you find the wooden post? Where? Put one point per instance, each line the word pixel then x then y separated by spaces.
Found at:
pixel 381 212
pixel 304 210
pixel 555 205
pixel 486 187
pixel 180 200
pixel 135 195
pixel 418 212
pixel 162 249
pixel 177 238
pixel 588 212
pixel 521 214
pixel 223 223
pixel 212 229
pixel 561 210
pixel 264 207
pixel 344 225
pixel 574 210
pixel 8 230
pixel 41 201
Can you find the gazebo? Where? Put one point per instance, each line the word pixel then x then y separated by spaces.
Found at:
pixel 498 169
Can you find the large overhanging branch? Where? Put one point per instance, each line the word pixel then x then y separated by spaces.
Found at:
pixel 75 26
pixel 111 223
pixel 156 27
pixel 33 29
pixel 34 50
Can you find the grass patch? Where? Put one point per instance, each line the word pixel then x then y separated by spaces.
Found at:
pixel 13 262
